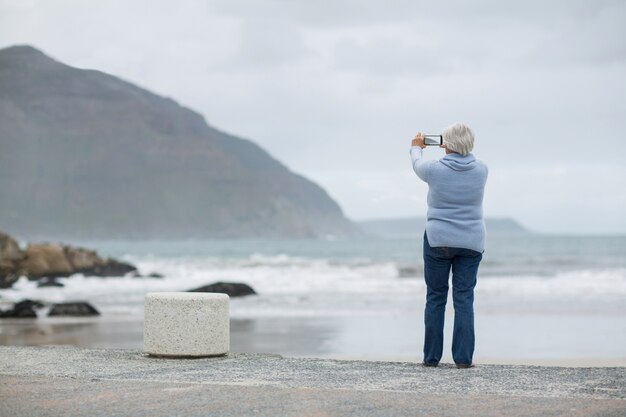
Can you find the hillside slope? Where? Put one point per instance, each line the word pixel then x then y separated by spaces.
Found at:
pixel 85 154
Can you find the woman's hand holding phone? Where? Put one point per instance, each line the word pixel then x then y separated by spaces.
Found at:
pixel 418 140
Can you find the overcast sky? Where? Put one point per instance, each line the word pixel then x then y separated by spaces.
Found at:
pixel 337 89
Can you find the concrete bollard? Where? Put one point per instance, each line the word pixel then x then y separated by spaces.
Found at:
pixel 184 324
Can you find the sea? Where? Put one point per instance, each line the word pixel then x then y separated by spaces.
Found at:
pixel 540 299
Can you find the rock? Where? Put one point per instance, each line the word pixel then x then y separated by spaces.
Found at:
pixel 9 249
pixel 81 258
pixel 49 282
pixel 409 271
pixel 87 262
pixel 8 277
pixel 136 274
pixel 46 260
pixel 109 268
pixel 233 289
pixel 10 258
pixel 73 309
pixel 49 260
pixel 23 309
pixel 151 275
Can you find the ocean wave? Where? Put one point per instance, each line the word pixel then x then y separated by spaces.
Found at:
pixel 581 283
pixel 291 284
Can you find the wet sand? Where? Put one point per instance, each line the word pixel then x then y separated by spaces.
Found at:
pixel 289 337
pixel 337 338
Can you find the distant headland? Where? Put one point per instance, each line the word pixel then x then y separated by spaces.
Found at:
pixel 84 154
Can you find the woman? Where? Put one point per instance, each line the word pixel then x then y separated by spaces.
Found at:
pixel 454 239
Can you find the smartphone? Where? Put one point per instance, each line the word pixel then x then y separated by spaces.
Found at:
pixel 433 140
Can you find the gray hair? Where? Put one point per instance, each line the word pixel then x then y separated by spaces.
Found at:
pixel 458 138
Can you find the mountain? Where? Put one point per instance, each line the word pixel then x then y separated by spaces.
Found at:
pixel 414 226
pixel 86 154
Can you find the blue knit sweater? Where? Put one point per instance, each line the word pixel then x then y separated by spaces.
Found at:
pixel 456 185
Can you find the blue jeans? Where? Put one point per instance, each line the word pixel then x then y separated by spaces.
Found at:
pixel 437 264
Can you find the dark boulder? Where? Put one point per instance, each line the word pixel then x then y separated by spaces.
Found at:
pixel 8 276
pixel 49 282
pixel 23 309
pixel 233 289
pixel 87 262
pixel 73 309
pixel 409 271
pixel 108 268
pixel 150 275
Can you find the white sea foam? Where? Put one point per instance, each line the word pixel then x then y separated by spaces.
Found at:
pixel 290 285
pixel 583 283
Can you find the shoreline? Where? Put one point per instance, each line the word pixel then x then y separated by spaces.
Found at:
pixel 289 337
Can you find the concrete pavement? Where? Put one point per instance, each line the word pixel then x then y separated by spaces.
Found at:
pixel 71 381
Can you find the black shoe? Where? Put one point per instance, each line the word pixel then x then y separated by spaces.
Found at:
pixel 464 365
pixel 430 364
